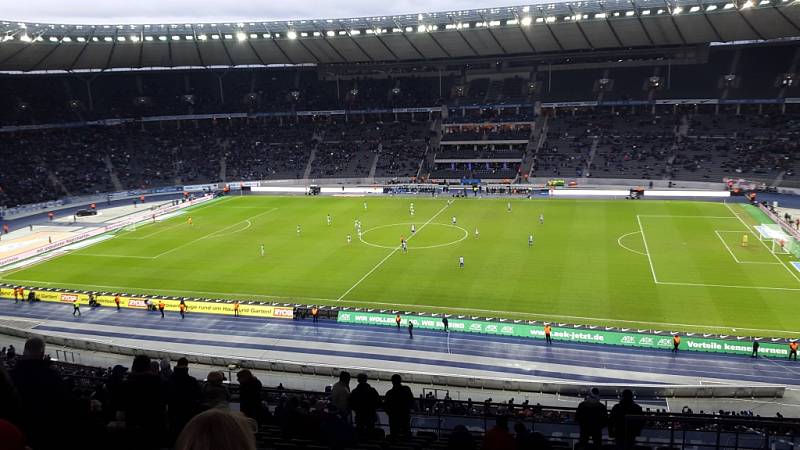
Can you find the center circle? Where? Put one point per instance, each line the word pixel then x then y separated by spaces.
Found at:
pixel 388 236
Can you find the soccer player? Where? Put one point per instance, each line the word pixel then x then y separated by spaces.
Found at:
pixel 530 240
pixel 541 218
pixel 349 239
pixel 461 262
pixel 745 238
pixel 365 206
pixel 477 233
pixel 329 220
pixel 76 307
pixel 404 244
pixel 508 207
pixel 359 234
pixel 298 230
pixel 190 220
pixel 454 220
pixel 262 250
pixel 413 228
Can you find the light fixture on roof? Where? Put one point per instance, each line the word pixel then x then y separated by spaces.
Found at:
pixel 121 38
pixel 95 39
pixel 317 34
pixel 162 38
pixel 747 4
pixel 53 39
pixel 644 12
pixel 134 38
pixel 629 13
pixel 214 37
pixel 108 39
pixel 189 37
pixel 409 29
pixel 421 29
pixel 694 9
pixel 202 37
pixel 550 19
pixel 148 38
pixel 660 11
pixel 355 32
pixel 330 33
pixel 526 8
pixel 253 36
pixel 494 23
pixel 342 33
pixel 677 10
pixel 292 34
pixel 176 38
pixel 228 36
pixel 241 37
pixel 80 39
pixel 266 35
pixel 763 3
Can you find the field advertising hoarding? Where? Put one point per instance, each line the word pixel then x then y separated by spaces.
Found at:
pixel 586 335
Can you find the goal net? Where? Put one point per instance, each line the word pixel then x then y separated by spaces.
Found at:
pixel 779 242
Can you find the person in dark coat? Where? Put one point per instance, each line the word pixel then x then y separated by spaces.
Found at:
pixel 398 403
pixel 364 401
pixel 250 401
pixel 145 405
pixel 622 429
pixel 592 417
pixel 44 397
pixel 184 397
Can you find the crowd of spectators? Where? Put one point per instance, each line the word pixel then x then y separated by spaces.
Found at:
pixel 52 405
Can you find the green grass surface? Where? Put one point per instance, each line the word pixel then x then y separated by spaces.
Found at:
pixel 589 262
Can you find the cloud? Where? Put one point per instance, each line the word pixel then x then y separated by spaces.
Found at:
pixel 192 11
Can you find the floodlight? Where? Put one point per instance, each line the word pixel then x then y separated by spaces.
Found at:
pixel 228 36
pixel 25 38
pixel 629 13
pixel 265 35
pixel 148 38
pixel 409 29
pixel 644 12
pixel 694 9
pixel 512 22
pixel 135 38
pixel 763 3
pixel 80 39
pixel 53 39
pixel 121 38
pixel 526 9
pixel 342 33
pixel 550 19
pixel 292 35
pixel 677 10
pixel 253 36
pixel 108 39
pixel 317 34
pixel 539 19
pixel 330 33
pixel 176 38
pixel 747 4
pixel 397 30
pixel 711 8
pixel 202 37
pixel 189 37
pixel 421 29
pixel 241 37
pixel 95 39
pixel 600 16
pixel 355 32
pixel 162 38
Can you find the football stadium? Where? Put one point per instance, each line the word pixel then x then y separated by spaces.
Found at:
pixel 565 225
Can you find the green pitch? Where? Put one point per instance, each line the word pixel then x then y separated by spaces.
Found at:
pixel 649 264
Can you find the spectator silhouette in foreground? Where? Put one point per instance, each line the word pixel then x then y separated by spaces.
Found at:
pixel 183 397
pixel 498 438
pixel 217 429
pixel 364 401
pixel 398 403
pixel 145 404
pixel 340 393
pixel 461 439
pixel 250 400
pixel 592 417
pixel 215 394
pixel 620 427
pixel 44 397
pixel 9 398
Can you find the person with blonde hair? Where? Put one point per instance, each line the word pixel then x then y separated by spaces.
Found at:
pixel 217 429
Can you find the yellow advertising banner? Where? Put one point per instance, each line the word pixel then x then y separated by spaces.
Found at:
pixel 192 306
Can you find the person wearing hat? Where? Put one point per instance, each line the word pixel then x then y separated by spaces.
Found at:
pixel 592 417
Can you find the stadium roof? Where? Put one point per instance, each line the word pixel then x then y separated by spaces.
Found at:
pixel 490 32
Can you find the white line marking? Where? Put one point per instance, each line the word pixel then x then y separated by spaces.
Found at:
pixel 249 224
pixel 686 217
pixel 726 246
pixel 647 249
pixel 731 251
pixel 791 272
pixel 212 233
pixel 449 309
pixel 112 256
pixel 392 253
pixel 361 238
pixel 728 286
pixel 619 242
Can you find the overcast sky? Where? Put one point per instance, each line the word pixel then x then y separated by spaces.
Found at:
pixel 190 11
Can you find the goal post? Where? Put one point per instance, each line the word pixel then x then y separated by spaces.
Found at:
pixel 778 241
